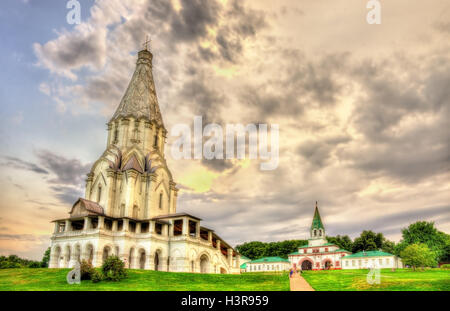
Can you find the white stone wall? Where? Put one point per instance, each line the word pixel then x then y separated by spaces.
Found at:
pixel 366 262
pixel 267 266
pixel 185 254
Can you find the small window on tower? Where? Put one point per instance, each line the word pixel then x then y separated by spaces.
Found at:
pixel 160 200
pixel 155 141
pixel 99 193
pixel 116 136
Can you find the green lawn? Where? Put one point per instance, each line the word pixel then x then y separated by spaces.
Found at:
pixel 55 280
pixel 399 280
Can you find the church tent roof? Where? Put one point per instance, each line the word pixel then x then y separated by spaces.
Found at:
pixel 317 221
pixel 140 100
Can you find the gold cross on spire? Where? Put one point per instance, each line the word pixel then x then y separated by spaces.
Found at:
pixel 146 42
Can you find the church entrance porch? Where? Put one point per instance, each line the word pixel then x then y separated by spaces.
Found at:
pixel 327 265
pixel 306 265
pixel 204 264
pixel 142 259
pixel 156 261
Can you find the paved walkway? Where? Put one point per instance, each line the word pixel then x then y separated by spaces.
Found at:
pixel 299 284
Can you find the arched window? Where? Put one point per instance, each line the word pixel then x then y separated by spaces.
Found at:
pixel 155 141
pixel 160 200
pixel 116 136
pixel 315 232
pixel 135 211
pixel 99 193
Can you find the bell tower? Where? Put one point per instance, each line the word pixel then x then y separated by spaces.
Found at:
pixel 317 230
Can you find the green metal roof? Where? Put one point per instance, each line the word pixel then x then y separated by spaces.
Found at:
pixel 367 254
pixel 317 221
pixel 269 259
pixel 326 244
pixel 243 266
pixel 335 251
pixel 341 250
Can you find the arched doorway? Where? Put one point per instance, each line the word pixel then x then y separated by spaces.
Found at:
pixel 77 253
pixel 106 253
pixel 306 265
pixel 328 264
pixel 142 259
pixel 56 254
pixel 156 261
pixel 90 253
pixel 67 257
pixel 131 259
pixel 204 264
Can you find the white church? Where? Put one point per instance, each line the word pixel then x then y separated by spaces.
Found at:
pixel 318 254
pixel 130 203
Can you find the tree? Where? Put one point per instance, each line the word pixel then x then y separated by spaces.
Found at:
pixel 256 249
pixel 368 241
pixel 46 258
pixel 418 255
pixel 252 250
pixel 343 242
pixel 426 233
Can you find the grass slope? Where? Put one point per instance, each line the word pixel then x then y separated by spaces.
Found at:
pixel 399 280
pixel 142 280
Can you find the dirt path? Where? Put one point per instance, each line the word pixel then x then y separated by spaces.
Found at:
pixel 299 284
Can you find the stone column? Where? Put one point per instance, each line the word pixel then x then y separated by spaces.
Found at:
pixel 218 244
pixel 126 222
pixel 238 261
pixel 56 227
pixel 210 237
pixel 151 227
pixel 138 227
pixel 230 257
pixel 166 229
pixel 197 230
pixel 101 222
pixel 114 225
pixel 89 180
pixel 109 202
pixel 87 223
pixel 68 226
pixel 185 230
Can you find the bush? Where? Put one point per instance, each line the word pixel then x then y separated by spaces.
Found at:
pixel 34 264
pixel 113 269
pixel 446 266
pixel 86 270
pixel 96 276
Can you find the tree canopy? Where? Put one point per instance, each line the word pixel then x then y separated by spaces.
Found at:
pixel 418 255
pixel 423 232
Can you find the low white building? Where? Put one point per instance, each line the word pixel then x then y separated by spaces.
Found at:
pixel 369 259
pixel 267 264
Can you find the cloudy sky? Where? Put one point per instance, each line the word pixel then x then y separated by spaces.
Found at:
pixel 363 110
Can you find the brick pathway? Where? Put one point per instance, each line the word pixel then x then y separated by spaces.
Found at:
pixel 299 284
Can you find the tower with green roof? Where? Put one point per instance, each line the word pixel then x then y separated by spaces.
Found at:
pixel 317 230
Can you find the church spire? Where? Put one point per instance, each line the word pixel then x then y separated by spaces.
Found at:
pixel 317 221
pixel 140 100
